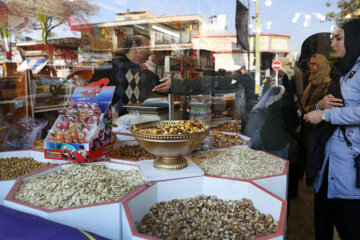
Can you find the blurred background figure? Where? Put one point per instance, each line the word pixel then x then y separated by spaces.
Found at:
pixel 319 81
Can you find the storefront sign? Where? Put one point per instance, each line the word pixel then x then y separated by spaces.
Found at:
pixel 216 44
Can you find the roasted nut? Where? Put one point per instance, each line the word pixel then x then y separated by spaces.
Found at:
pixel 206 217
pixel 132 152
pixel 239 162
pixel 39 144
pixel 175 128
pixel 233 126
pixel 14 167
pixel 78 185
pixel 226 140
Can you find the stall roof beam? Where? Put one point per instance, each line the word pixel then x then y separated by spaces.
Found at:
pixel 166 19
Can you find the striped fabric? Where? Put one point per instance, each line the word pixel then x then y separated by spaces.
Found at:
pixel 35 64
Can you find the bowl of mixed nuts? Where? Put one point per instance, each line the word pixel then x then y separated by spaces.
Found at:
pixel 170 140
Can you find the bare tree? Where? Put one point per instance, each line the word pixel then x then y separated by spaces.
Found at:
pixel 52 13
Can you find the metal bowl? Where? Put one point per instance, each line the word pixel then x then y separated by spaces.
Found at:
pixel 168 149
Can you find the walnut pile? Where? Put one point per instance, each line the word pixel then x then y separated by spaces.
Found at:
pixel 131 152
pixel 206 217
pixel 239 162
pixel 78 185
pixel 14 167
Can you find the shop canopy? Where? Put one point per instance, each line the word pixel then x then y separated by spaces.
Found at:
pixel 34 64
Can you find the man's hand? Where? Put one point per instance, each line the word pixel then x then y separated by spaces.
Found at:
pixel 314 117
pixel 329 101
pixel 164 87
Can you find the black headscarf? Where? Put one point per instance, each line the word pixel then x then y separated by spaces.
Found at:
pixel 315 156
pixel 352 46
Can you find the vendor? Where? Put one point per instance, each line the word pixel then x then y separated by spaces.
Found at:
pixel 125 72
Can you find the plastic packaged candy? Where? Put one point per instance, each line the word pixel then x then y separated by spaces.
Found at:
pixel 74 105
pixel 80 105
pixel 60 126
pixel 82 137
pixel 67 104
pixel 80 126
pixel 66 125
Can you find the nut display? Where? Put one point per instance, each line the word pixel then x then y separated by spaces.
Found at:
pixel 14 167
pixel 233 126
pixel 226 140
pixel 176 128
pixel 131 152
pixel 39 144
pixel 78 185
pixel 206 217
pixel 239 162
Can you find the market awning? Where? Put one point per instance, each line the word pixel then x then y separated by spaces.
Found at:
pixel 35 64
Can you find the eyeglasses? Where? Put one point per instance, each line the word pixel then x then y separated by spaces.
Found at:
pixel 312 64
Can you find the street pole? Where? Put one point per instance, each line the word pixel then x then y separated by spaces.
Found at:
pixel 257 48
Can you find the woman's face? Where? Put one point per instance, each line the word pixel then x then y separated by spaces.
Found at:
pixel 313 66
pixel 338 43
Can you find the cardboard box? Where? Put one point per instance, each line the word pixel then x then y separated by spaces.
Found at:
pixel 97 141
pixel 103 219
pixel 136 207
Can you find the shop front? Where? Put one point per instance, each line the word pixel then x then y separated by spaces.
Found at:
pixel 126 120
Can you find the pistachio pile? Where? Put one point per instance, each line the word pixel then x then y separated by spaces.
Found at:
pixel 14 167
pixel 78 185
pixel 206 217
pixel 239 162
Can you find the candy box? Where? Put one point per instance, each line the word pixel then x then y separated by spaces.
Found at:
pixel 83 130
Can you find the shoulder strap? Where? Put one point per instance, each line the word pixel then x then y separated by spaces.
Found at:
pixel 345 137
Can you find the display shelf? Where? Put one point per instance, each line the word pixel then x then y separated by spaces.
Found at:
pixel 6 101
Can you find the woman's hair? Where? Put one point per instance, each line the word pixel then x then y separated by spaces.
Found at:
pixel 352 46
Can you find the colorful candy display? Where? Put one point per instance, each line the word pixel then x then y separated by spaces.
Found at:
pixel 76 119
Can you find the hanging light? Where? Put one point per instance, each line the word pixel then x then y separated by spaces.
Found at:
pixel 348 16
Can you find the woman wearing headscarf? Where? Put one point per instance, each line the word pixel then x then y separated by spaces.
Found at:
pixel 317 88
pixel 332 164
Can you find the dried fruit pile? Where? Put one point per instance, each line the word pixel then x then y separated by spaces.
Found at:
pixel 131 152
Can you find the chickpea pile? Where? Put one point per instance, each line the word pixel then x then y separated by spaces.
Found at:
pixel 226 140
pixel 176 128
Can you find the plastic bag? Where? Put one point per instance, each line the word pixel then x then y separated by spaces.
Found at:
pixel 23 133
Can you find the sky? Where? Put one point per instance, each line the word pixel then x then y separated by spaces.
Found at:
pixel 278 18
